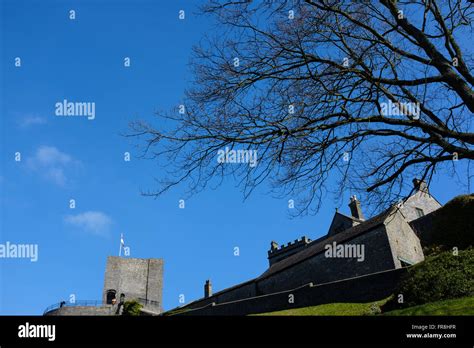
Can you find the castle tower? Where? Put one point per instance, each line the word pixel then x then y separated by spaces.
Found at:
pixel 132 278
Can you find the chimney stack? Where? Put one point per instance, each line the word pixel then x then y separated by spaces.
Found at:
pixel 420 185
pixel 207 289
pixel 356 210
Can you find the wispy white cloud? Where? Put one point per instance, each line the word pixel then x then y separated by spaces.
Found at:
pixel 94 222
pixel 32 120
pixel 52 164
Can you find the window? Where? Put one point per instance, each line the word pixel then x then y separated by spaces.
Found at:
pixel 419 212
pixel 110 296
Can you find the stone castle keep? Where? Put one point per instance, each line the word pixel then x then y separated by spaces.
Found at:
pixel 125 279
pixel 140 279
pixel 372 255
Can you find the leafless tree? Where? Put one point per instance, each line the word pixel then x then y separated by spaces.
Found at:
pixel 364 95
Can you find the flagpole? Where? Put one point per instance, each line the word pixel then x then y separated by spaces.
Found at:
pixel 120 250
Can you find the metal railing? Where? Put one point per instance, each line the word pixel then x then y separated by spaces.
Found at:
pixel 96 303
pixel 84 303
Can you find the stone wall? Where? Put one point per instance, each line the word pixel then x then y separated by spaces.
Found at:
pixel 82 310
pixel 321 269
pixel 155 282
pixel 404 242
pixel 317 270
pixel 136 278
pixel 362 289
pixel 284 251
pixel 244 290
pixel 422 200
pixel 386 245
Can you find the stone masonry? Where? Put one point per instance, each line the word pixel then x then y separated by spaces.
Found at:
pixel 134 278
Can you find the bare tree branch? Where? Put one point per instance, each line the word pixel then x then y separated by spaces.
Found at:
pixel 365 94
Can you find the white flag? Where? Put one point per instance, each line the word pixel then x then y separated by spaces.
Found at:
pixel 122 244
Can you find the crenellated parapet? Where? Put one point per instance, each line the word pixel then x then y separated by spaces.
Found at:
pixel 277 252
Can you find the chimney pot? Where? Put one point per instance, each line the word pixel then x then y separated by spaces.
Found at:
pixel 420 185
pixel 356 210
pixel 208 289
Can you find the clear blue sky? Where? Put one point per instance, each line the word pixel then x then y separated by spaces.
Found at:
pixel 74 158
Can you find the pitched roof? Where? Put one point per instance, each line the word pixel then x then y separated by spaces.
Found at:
pixel 318 245
pixel 349 217
pixel 338 220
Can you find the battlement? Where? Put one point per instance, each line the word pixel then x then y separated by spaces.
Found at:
pixel 277 253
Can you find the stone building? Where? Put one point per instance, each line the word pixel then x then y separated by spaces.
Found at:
pixel 353 247
pixel 132 278
pixel 125 279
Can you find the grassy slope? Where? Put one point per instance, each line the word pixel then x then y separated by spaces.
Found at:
pixel 461 306
pixel 332 309
pixel 458 306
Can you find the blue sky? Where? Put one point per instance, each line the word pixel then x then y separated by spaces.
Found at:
pixel 80 159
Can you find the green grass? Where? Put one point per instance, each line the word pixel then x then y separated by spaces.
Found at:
pixel 333 309
pixel 176 311
pixel 459 306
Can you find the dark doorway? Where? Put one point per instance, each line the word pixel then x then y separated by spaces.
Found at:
pixel 110 296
